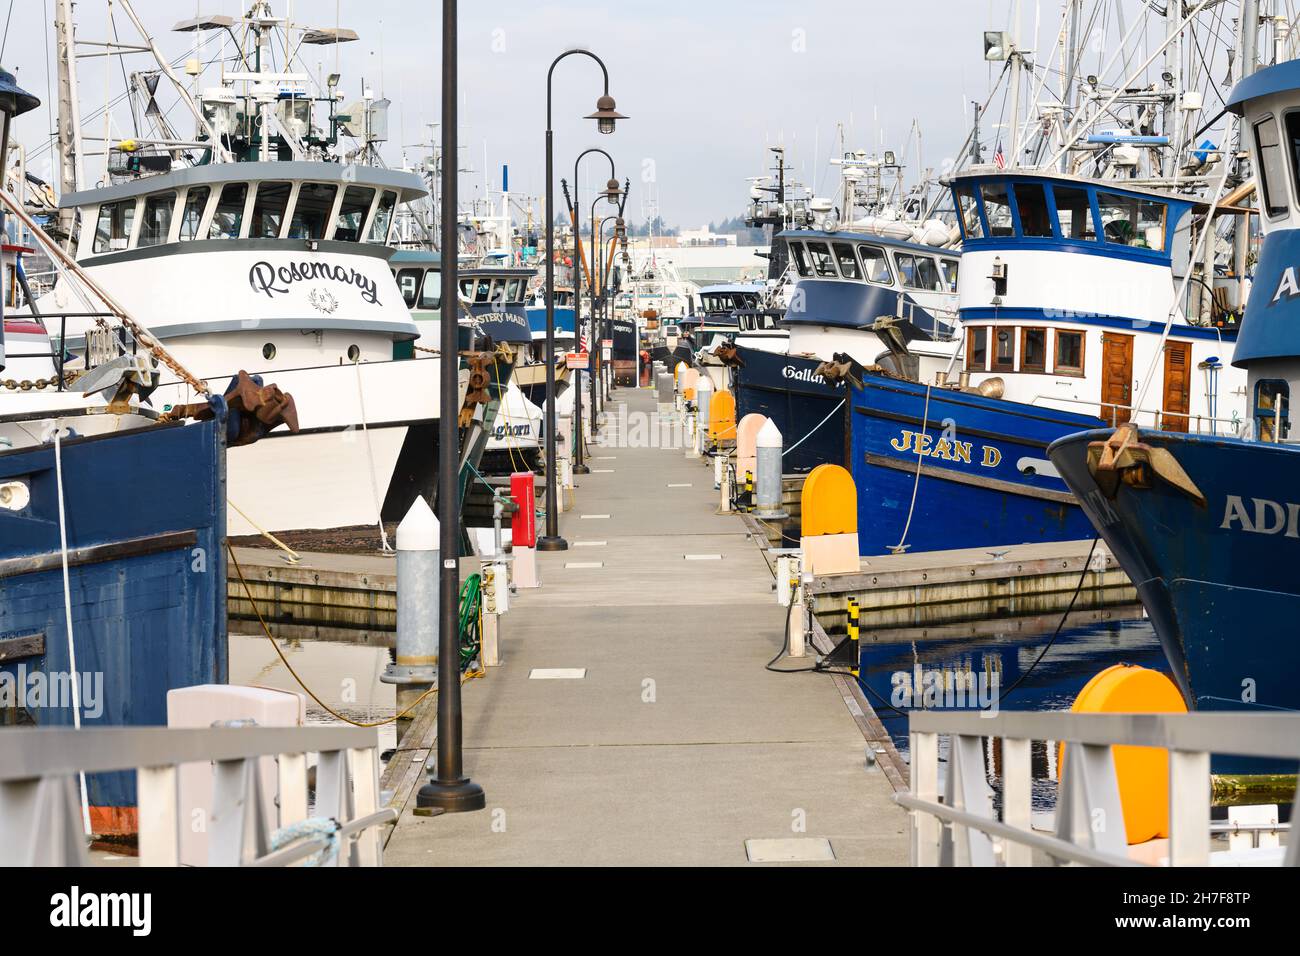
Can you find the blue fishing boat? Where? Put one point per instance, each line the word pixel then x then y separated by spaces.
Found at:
pixel 1204 525
pixel 1067 295
pixel 859 296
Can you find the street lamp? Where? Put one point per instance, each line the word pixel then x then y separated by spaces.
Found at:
pixel 579 468
pixel 606 117
pixel 14 101
pixel 448 789
pixel 611 195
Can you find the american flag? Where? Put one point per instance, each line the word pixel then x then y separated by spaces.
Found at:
pixel 999 158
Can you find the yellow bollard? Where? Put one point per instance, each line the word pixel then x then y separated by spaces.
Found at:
pixel 830 521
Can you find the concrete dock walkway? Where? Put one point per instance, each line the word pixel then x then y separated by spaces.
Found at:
pixel 677 746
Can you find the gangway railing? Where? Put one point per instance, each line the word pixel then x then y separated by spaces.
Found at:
pixel 963 829
pixel 41 813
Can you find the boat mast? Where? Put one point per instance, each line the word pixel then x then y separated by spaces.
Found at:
pixel 71 172
pixel 1013 154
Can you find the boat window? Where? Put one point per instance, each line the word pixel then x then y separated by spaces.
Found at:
pixel 1272 168
pixel 822 262
pixel 1132 221
pixel 800 259
pixel 1293 138
pixel 228 220
pixel 1074 213
pixel 1004 350
pixel 1272 410
pixel 977 349
pixel 408 281
pixel 997 209
pixel 1031 202
pixel 113 231
pixel 949 269
pixel 498 294
pixel 352 213
pixel 196 202
pixel 156 224
pixel 876 264
pixel 970 212
pixel 1069 353
pixel 482 291
pixel 268 210
pixel 431 293
pixel 848 261
pixel 918 272
pixel 311 212
pixel 1033 350
pixel 383 218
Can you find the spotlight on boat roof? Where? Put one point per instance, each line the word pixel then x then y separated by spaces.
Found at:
pixel 605 116
pixel 1092 80
pixel 333 80
pixel 891 159
pixel 997 45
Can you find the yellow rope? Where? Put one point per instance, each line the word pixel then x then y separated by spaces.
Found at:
pixel 311 693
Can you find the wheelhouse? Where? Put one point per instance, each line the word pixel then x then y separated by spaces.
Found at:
pixel 308 202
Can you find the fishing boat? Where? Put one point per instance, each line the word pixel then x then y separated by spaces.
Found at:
pixel 1202 522
pixel 112 519
pixel 279 250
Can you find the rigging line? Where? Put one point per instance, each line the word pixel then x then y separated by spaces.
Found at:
pixel 916 483
pixel 5 41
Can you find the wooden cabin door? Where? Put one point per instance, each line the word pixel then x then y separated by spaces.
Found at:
pixel 1116 377
pixel 1178 386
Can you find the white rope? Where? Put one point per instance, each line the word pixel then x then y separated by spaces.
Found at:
pixel 916 483
pixel 370 456
pixel 67 621
pixel 814 429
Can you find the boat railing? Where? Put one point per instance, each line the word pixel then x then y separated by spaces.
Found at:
pixel 57 353
pixel 961 828
pixel 1204 424
pixel 41 815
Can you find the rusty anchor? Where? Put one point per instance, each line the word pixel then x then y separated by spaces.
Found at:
pixel 1122 458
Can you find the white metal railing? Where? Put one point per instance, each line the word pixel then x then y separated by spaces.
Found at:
pixel 1109 409
pixel 40 811
pixel 963 830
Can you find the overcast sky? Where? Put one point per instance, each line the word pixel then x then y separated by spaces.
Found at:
pixel 708 85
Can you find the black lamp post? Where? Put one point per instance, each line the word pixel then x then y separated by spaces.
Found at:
pixel 448 789
pixel 579 467
pixel 606 117
pixel 611 194
pixel 14 101
pixel 606 330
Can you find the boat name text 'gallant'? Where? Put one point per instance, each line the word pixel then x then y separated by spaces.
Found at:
pixel 272 280
pixel 945 448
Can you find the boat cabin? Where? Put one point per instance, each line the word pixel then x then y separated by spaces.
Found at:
pixel 1066 287
pixel 493 299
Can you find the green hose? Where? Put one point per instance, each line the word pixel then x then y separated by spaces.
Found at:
pixel 471 600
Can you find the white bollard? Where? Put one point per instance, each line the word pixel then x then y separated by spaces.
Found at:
pixel 799 619
pixel 767 480
pixel 418 568
pixel 719 469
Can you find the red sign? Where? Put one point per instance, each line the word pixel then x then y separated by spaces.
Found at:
pixel 577 361
pixel 523 523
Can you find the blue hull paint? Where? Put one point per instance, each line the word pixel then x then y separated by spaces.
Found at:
pixel 563 319
pixel 1221 599
pixel 785 389
pixel 146 530
pixel 981 483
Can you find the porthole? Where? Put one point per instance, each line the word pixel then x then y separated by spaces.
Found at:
pixel 354 353
pixel 268 351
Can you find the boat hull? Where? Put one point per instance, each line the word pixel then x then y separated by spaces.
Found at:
pixel 1216 580
pixel 145 518
pixel 809 412
pixel 984 476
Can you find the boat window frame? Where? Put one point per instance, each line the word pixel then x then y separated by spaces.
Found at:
pixel 1283 390
pixel 1088 194
pixel 1048 207
pixel 884 257
pixel 380 193
pixel 830 258
pixel 200 231
pixel 291 213
pixel 799 256
pixel 1292 154
pixel 976 333
pixel 950 288
pixel 431 274
pixel 1010 364
pixel 1007 183
pixel 1135 204
pixel 840 248
pixel 1024 365
pixel 412 303
pixel 1267 192
pixel 215 205
pixel 973 193
pixel 171 220
pixel 285 214
pixel 134 204
pixel 1070 370
pixel 363 222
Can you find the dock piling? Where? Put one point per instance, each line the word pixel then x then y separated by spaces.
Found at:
pixel 415 669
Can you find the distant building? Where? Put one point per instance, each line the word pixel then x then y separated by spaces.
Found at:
pixel 706 264
pixel 704 237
